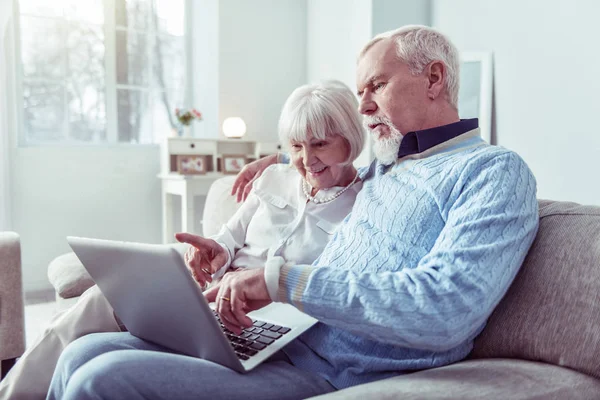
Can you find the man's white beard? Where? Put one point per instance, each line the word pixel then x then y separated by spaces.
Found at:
pixel 385 148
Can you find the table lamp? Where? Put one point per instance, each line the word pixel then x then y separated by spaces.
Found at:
pixel 234 127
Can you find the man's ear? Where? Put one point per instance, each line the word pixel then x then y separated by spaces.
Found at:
pixel 436 77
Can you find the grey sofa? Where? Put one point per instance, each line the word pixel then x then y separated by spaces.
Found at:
pixel 541 342
pixel 12 323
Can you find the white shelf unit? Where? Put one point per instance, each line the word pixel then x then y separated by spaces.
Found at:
pixel 213 149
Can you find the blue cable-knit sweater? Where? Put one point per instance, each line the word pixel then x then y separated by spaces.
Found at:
pixel 411 275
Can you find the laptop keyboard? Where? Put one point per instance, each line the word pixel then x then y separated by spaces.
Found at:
pixel 253 339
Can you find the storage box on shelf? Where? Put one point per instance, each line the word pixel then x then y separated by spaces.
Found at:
pixel 213 150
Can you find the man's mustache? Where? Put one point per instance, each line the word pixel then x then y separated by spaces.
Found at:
pixel 375 120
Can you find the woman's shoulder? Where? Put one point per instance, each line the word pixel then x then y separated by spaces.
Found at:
pixel 281 169
pixel 276 176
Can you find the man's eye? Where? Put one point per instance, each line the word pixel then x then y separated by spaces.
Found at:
pixel 321 144
pixel 296 146
pixel 378 86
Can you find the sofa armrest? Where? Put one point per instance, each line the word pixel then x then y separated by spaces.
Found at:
pixel 12 322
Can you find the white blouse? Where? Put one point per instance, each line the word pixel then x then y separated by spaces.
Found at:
pixel 277 220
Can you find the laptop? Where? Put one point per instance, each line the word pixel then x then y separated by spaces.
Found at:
pixel 153 293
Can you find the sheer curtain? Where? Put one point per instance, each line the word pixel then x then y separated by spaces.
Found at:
pixel 5 198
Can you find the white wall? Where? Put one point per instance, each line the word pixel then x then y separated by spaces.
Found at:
pixel 392 14
pixel 105 192
pixel 204 24
pixel 5 106
pixel 546 62
pixel 336 31
pixel 262 58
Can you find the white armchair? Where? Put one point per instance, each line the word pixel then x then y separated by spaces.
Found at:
pixel 12 321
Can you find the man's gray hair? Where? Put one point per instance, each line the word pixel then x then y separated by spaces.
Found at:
pixel 417 46
pixel 321 110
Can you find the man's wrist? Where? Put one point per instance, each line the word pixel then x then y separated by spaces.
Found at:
pixel 272 272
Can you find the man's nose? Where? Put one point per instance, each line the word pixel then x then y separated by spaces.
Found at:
pixel 367 106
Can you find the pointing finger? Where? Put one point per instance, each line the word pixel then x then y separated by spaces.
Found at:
pixel 189 238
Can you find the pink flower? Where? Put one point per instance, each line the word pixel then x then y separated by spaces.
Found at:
pixel 185 117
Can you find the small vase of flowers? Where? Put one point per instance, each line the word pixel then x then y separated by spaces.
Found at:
pixel 185 118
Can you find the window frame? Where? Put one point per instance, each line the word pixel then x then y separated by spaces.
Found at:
pixel 111 86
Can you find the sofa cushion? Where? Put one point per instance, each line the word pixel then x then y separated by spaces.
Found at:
pixel 68 276
pixel 551 312
pixel 219 206
pixel 480 379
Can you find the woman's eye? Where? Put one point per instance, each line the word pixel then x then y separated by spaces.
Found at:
pixel 296 146
pixel 321 144
pixel 378 86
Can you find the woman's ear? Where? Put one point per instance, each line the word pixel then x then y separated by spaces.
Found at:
pixel 436 76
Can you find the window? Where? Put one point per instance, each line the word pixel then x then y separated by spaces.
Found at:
pixel 101 71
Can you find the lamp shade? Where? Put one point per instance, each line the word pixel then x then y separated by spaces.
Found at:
pixel 234 127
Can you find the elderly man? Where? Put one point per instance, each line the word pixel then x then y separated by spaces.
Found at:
pixel 435 238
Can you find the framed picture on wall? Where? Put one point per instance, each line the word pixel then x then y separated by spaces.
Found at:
pixel 475 92
pixel 191 164
pixel 232 163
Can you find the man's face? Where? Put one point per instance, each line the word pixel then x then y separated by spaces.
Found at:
pixel 389 94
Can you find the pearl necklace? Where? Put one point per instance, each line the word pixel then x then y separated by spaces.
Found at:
pixel 307 189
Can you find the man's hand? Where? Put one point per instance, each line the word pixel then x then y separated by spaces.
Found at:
pixel 250 173
pixel 203 258
pixel 237 294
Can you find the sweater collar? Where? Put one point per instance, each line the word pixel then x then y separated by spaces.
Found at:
pixel 419 141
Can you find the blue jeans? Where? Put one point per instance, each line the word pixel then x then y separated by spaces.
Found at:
pixel 122 366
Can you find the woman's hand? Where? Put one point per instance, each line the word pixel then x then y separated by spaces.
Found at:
pixel 250 173
pixel 203 258
pixel 237 294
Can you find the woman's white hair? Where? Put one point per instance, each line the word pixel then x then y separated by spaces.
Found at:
pixel 323 109
pixel 417 46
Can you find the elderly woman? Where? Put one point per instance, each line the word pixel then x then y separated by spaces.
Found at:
pixel 291 212
pixel 290 215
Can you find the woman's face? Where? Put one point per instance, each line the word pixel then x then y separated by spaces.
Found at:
pixel 318 161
